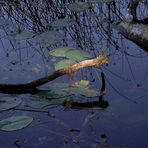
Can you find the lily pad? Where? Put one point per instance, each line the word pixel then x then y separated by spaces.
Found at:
pixel 78 55
pixel 71 54
pixel 78 88
pixel 61 51
pixel 45 102
pixel 20 35
pixel 9 102
pixel 15 123
pixel 100 1
pixel 78 6
pixel 82 88
pixel 63 64
pixel 60 92
pixel 61 87
pixel 48 38
pixel 4 22
pixel 65 22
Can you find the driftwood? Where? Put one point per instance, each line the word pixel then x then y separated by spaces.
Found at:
pixel 32 86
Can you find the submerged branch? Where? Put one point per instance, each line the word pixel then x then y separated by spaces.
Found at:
pixel 32 86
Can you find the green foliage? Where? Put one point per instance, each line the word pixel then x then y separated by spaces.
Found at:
pixel 65 22
pixel 100 1
pixel 45 100
pixel 3 22
pixel 65 92
pixel 78 6
pixel 61 51
pixel 15 123
pixel 72 56
pixel 20 35
pixel 9 103
pixel 63 64
pixel 82 88
pixel 78 55
pixel 47 38
pixel 78 88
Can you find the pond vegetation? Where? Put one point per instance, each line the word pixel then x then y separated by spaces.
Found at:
pixel 101 105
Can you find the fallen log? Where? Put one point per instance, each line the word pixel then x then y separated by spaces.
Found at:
pixel 135 32
pixel 32 86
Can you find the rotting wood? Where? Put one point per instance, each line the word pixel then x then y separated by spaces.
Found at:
pixel 32 86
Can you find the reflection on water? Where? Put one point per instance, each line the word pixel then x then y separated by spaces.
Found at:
pixel 24 58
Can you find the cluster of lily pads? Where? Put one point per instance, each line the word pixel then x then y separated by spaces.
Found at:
pixel 14 122
pixel 68 56
pixel 49 37
pixel 43 100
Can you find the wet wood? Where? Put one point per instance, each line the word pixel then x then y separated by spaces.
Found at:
pixel 32 86
pixel 136 32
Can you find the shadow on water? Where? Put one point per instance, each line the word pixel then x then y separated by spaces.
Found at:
pixel 69 116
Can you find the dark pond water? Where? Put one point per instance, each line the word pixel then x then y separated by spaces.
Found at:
pixel 83 26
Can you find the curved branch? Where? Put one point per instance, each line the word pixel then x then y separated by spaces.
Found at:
pixel 32 86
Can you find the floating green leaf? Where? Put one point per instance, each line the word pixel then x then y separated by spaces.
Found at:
pixel 100 1
pixel 61 51
pixel 9 102
pixel 20 35
pixel 65 22
pixel 77 89
pixel 82 88
pixel 71 54
pixel 48 38
pixel 78 6
pixel 78 55
pixel 63 64
pixel 15 123
pixel 3 22
pixel 53 97
pixel 45 102
pixel 38 103
pixel 61 87
pixel 2 2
